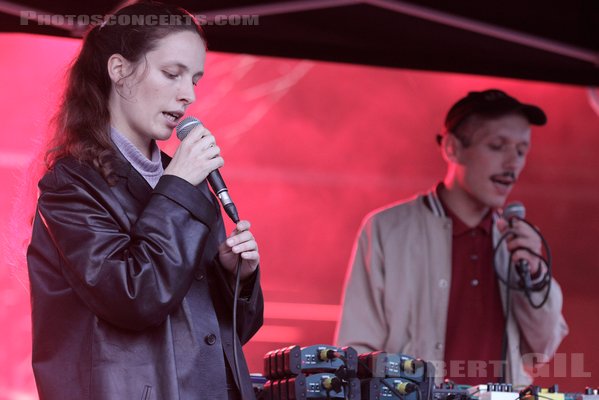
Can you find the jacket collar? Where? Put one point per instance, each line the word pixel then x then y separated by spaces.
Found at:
pixel 433 202
pixel 136 184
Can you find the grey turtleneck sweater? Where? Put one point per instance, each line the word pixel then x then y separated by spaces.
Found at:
pixel 151 169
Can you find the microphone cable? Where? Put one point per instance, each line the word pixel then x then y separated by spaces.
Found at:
pixel 504 337
pixel 221 192
pixel 544 283
pixel 235 219
pixel 527 288
pixel 235 298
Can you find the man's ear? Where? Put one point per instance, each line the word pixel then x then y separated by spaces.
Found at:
pixel 118 68
pixel 451 148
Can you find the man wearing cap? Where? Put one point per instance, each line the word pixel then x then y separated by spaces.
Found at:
pixel 422 282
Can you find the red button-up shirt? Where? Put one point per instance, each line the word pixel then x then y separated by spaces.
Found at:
pixel 475 321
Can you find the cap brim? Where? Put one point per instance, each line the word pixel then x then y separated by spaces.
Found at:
pixel 500 106
pixel 534 114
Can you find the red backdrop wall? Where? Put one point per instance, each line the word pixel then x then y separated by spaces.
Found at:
pixel 310 148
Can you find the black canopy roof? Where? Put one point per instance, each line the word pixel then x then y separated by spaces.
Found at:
pixel 556 41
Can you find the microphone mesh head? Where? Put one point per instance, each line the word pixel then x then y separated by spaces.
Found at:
pixel 515 209
pixel 186 125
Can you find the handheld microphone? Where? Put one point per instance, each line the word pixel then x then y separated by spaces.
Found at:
pixel 214 178
pixel 514 210
pixel 511 211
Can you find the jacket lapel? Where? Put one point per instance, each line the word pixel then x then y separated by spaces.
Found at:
pixel 137 186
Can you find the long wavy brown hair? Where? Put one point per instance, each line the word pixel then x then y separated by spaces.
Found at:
pixel 81 124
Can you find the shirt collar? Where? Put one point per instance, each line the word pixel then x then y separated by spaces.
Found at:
pixel 459 227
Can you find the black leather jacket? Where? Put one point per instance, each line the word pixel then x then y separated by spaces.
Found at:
pixel 128 298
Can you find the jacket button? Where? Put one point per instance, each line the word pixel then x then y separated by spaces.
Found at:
pixel 199 276
pixel 210 339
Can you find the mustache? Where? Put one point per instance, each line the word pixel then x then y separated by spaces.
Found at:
pixel 507 174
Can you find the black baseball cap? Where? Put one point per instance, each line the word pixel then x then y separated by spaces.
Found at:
pixel 491 103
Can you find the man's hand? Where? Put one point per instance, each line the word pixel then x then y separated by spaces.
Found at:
pixel 523 236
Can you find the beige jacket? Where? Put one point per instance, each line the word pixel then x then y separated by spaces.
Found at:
pixel 397 292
